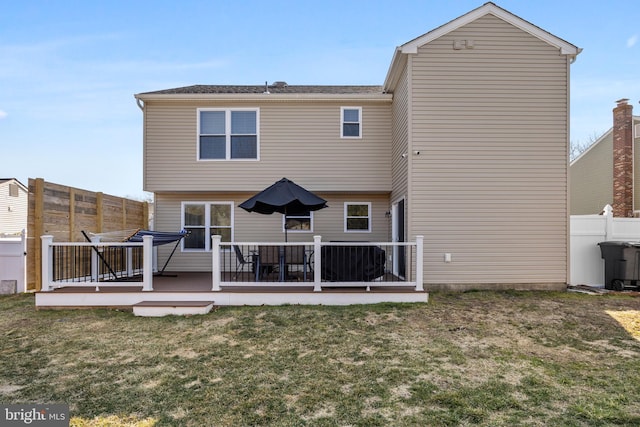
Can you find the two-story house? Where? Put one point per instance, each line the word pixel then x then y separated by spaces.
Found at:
pixel 465 143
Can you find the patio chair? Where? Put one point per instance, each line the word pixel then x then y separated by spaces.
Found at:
pixel 267 261
pixel 295 255
pixel 242 260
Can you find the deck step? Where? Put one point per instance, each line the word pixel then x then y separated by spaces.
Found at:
pixel 171 308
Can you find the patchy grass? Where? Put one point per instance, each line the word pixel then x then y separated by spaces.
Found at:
pixel 476 358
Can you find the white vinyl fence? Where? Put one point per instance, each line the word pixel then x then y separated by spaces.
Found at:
pixel 587 265
pixel 13 262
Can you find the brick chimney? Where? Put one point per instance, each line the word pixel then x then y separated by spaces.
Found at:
pixel 623 159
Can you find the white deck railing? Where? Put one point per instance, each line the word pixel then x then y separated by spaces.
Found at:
pixel 88 268
pixel 395 264
pixel 404 270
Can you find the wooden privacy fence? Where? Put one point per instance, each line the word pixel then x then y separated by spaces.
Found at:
pixel 64 212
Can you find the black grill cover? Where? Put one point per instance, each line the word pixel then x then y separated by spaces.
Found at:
pixel 352 263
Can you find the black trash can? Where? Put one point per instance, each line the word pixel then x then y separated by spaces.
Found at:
pixel 621 264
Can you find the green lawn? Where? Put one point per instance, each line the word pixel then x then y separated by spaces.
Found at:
pixel 475 358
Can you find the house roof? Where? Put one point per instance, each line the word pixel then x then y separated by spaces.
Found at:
pixel 275 92
pixel 488 8
pixel 275 88
pixel 4 180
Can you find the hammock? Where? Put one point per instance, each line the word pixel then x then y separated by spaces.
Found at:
pixel 135 236
pixel 159 237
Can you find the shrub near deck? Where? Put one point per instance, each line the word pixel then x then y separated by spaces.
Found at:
pixel 479 358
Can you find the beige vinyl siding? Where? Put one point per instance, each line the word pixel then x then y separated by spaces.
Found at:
pixel 490 184
pixel 591 179
pixel 400 138
pixel 299 140
pixel 253 227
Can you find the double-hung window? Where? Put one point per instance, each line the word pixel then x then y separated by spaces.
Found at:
pixel 204 219
pixel 298 223
pixel 228 134
pixel 357 217
pixel 351 122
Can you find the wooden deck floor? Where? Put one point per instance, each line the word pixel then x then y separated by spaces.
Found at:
pixel 202 282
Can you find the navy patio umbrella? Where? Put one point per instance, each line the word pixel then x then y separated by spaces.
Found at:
pixel 285 197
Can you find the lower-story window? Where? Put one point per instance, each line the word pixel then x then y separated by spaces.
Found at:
pixel 298 223
pixel 204 219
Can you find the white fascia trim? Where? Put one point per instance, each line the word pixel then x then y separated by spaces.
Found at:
pixel 393 73
pixel 17 182
pixel 566 48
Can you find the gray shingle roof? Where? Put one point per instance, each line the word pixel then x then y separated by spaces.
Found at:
pixel 275 88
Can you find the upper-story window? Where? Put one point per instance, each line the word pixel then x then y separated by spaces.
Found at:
pixel 357 217
pixel 228 134
pixel 351 122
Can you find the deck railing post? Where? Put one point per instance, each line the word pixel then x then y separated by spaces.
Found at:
pixel 419 262
pixel 215 262
pixel 47 263
pixel 317 264
pixel 147 263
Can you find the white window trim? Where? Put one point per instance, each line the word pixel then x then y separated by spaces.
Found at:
pixel 297 216
pixel 207 223
pixel 342 135
pixel 227 118
pixel 346 205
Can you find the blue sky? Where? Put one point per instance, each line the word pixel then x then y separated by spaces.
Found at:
pixel 69 69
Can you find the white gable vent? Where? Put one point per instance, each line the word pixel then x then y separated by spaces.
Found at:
pixel 637 131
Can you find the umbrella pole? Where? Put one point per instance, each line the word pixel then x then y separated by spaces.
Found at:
pixel 283 274
pixel 285 224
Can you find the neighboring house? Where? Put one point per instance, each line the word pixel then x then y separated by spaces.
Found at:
pixel 465 143
pixel 605 173
pixel 13 206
